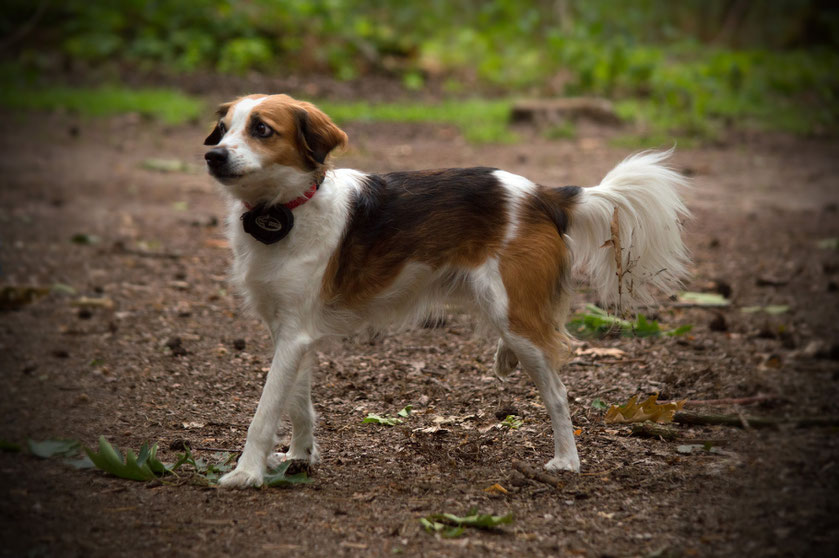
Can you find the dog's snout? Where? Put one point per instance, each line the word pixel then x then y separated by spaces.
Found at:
pixel 216 157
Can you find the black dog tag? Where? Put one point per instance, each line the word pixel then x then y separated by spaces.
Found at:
pixel 268 224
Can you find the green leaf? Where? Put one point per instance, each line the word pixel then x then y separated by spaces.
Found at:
pixel 278 476
pixel 445 531
pixel 378 419
pixel 645 328
pixel 681 330
pixel 82 462
pixel 599 404
pixel 109 460
pixel 406 411
pixel 82 238
pixel 166 165
pixel 512 421
pixel 62 288
pixel 703 299
pixel 53 448
pixel 829 243
pixel 772 310
pixel 8 446
pixel 450 525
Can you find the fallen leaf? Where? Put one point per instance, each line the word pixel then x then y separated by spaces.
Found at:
pixel 93 302
pixel 52 448
pixel 496 489
pixel 378 419
pixel 216 243
pixel 601 352
pixel 703 299
pixel 166 165
pixel 772 309
pixel 632 411
pixel 829 243
pixel 599 404
pixel 278 476
pixel 14 297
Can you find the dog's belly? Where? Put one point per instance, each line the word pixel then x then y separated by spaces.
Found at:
pixel 418 292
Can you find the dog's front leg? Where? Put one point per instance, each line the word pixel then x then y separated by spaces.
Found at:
pixel 279 386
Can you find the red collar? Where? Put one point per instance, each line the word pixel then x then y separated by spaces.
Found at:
pixel 297 202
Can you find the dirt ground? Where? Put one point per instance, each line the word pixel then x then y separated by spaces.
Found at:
pixel 760 203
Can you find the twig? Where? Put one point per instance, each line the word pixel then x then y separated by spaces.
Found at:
pixel 221 450
pixel 652 430
pixel 536 474
pixel 26 28
pixel 622 361
pixel 616 246
pixel 759 398
pixel 147 254
pixel 687 417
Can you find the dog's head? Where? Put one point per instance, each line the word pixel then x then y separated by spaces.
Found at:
pixel 270 147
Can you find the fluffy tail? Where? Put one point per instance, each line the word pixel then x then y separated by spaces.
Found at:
pixel 644 194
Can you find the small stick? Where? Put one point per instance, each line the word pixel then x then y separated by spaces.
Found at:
pixel 687 417
pixel 536 474
pixel 652 430
pixel 221 450
pixel 759 398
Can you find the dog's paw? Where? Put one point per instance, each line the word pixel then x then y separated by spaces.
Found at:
pixel 241 478
pixel 310 457
pixel 563 464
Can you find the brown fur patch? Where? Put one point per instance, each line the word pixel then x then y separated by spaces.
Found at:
pixel 534 266
pixel 303 136
pixel 446 217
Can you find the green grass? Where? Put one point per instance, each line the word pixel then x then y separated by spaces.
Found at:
pixel 166 105
pixel 480 121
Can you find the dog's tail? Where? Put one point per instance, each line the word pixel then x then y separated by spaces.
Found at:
pixel 641 197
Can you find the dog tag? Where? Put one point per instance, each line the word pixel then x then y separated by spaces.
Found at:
pixel 268 224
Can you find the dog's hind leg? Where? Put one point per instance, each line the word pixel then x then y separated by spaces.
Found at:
pixel 541 368
pixel 302 415
pixel 505 360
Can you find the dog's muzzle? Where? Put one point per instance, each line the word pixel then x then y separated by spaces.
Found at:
pixel 217 159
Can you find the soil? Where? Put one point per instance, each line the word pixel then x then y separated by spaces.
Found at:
pixel 174 358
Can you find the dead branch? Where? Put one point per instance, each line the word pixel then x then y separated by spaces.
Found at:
pixel 653 430
pixel 751 400
pixel 688 417
pixel 536 474
pixel 614 227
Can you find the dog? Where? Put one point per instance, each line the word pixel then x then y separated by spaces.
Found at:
pixel 321 252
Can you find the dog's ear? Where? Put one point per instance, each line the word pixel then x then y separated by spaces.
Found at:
pixel 216 135
pixel 317 135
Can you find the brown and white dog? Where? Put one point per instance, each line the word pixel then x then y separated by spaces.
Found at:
pixel 320 252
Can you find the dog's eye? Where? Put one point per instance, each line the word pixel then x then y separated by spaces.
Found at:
pixel 261 130
pixel 222 128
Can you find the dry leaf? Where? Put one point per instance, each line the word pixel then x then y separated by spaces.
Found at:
pixel 217 243
pixel 495 489
pixel 601 352
pixel 632 411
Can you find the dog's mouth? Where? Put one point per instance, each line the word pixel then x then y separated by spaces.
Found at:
pixel 224 175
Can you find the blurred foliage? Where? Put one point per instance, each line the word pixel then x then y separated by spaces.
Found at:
pixel 694 66
pixel 479 120
pixel 168 106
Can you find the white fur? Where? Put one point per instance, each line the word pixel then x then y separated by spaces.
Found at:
pixel 257 182
pixel 518 188
pixel 282 283
pixel 650 210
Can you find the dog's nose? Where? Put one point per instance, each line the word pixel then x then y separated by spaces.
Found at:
pixel 216 157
